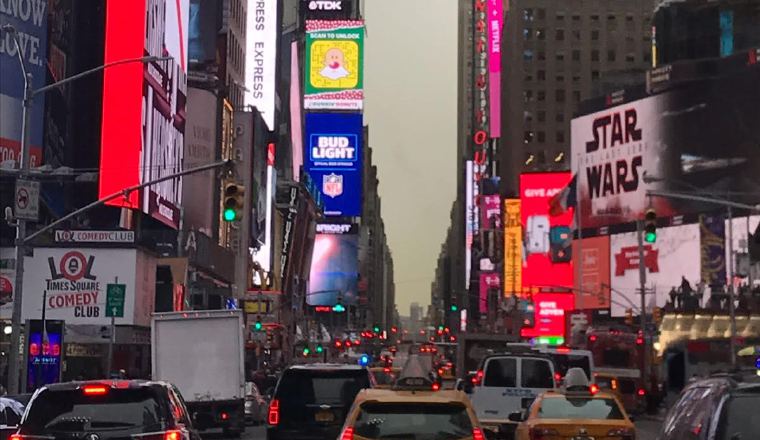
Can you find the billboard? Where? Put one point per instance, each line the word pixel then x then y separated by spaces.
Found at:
pixel 200 149
pixel 489 281
pixel 696 139
pixel 143 127
pixel 592 282
pixel 495 14
pixel 261 57
pixel 334 70
pixel 513 247
pixel 333 155
pixel 712 248
pixel 205 19
pixel 334 272
pixel 470 212
pixel 75 280
pixel 676 254
pixel 549 315
pixel 325 9
pixel 547 239
pixel 30 21
pixel 296 118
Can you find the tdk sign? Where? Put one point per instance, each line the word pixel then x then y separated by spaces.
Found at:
pixel 325 5
pixel 338 150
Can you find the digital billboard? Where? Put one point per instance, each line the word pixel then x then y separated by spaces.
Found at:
pixel 334 272
pixel 495 13
pixel 547 264
pixel 334 70
pixel 549 315
pixel 333 143
pixel 513 247
pixel 261 57
pixel 674 255
pixel 592 282
pixel 30 21
pixel 696 138
pixel 44 354
pixel 144 104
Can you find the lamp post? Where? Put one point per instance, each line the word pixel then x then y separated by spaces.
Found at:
pixel 14 366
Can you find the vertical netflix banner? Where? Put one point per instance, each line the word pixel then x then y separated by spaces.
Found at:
pixel 495 14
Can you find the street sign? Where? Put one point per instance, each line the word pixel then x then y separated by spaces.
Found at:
pixel 26 200
pixel 115 300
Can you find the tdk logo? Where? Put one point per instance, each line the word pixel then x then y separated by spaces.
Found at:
pixel 326 5
pixel 334 148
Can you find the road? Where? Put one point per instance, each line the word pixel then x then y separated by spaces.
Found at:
pixel 646 430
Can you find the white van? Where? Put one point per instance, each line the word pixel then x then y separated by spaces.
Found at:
pixel 509 382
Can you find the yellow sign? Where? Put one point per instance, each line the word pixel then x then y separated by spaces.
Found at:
pixel 334 64
pixel 512 248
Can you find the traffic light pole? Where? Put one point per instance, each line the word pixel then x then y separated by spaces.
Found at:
pixel 643 311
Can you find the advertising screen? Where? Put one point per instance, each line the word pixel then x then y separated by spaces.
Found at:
pixel 495 12
pixel 334 266
pixel 549 315
pixel 513 247
pixel 30 21
pixel 674 255
pixel 333 155
pixel 696 138
pixel 143 125
pixel 547 239
pixel 334 67
pixel 44 354
pixel 592 284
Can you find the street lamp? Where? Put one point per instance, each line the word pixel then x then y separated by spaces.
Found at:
pixel 14 367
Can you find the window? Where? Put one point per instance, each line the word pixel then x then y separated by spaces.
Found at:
pixel 541 75
pixel 559 117
pixel 560 16
pixel 527 116
pixel 739 416
pixel 560 78
pixel 541 13
pixel 560 56
pixel 541 116
pixel 541 137
pixel 611 55
pixel 527 33
pixel 528 96
pixel 528 137
pixel 576 55
pixel 536 373
pixel 595 35
pixel 559 95
pixel 595 18
pixel 576 96
pixel 594 55
pixel 594 74
pixel 611 17
pixel 576 78
pixel 410 420
pixel 541 96
pixel 560 136
pixel 559 34
pixel 576 35
pixel 630 58
pixel 528 55
pixel 629 17
pixel 541 55
pixel 528 15
pixel 540 34
pixel 528 78
pixel 501 372
pixel 576 18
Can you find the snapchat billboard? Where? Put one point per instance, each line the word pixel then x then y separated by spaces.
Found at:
pixel 334 65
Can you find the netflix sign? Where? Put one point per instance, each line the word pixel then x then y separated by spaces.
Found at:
pixel 143 125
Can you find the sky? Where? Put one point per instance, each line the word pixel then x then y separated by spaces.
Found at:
pixel 410 66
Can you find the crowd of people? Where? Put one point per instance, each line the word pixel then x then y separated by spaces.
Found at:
pixel 687 299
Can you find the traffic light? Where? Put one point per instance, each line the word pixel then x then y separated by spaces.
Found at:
pixel 650 226
pixel 454 308
pixel 232 202
pixel 306 351
pixel 319 349
pixel 376 329
pixel 339 308
pixel 257 326
pixel 629 316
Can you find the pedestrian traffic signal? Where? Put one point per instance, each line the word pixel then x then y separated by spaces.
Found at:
pixel 232 203
pixel 650 226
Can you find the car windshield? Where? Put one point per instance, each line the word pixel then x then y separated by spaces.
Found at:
pixel 413 421
pixel 73 411
pixel 739 419
pixel 308 387
pixel 563 407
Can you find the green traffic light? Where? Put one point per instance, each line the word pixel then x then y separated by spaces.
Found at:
pixel 306 351
pixel 229 215
pixel 376 329
pixel 440 328
pixel 319 349
pixel 650 237
pixel 454 308
pixel 257 326
pixel 339 308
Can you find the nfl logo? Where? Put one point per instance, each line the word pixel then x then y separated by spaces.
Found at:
pixel 332 185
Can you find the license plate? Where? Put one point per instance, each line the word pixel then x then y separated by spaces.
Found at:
pixel 324 416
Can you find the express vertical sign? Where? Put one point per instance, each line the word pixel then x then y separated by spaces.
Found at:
pixel 334 160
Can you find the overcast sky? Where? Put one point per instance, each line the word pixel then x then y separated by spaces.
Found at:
pixel 410 85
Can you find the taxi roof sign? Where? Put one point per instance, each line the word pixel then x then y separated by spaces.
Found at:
pixel 413 383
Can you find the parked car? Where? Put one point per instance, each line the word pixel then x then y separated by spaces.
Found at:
pixel 312 401
pixel 255 405
pixel 722 407
pixel 108 409
pixel 11 411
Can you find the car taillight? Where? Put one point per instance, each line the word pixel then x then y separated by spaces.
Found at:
pixel 594 388
pixel 622 433
pixel 641 392
pixel 95 390
pixel 15 437
pixel 172 435
pixel 477 434
pixel 274 413
pixel 436 386
pixel 541 433
pixel 224 416
pixel 348 433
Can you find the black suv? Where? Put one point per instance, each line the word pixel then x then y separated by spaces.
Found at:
pixel 103 410
pixel 312 401
pixel 722 407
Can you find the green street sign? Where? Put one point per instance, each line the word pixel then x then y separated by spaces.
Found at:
pixel 115 300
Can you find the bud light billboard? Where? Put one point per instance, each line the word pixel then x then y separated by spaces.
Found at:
pixel 334 161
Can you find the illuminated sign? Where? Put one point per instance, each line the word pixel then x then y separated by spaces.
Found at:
pixel 261 58
pixel 334 275
pixel 332 228
pixel 512 247
pixel 550 311
pixel 143 125
pixel 43 354
pixel 495 17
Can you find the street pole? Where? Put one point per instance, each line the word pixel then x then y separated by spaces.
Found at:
pixel 750 281
pixel 642 286
pixel 112 339
pixel 731 308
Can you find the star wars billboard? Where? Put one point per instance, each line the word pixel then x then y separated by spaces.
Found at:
pixel 333 144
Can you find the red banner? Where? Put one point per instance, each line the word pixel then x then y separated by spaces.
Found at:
pixel 628 258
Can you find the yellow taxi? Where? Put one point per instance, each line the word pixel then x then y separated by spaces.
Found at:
pixel 385 377
pixel 574 413
pixel 411 409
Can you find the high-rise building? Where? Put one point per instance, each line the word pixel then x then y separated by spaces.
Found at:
pixel 555 55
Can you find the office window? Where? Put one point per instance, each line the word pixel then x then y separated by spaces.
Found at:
pixel 528 15
pixel 540 34
pixel 576 35
pixel 541 75
pixel 527 33
pixel 528 96
pixel 528 55
pixel 559 117
pixel 560 56
pixel 594 74
pixel 527 116
pixel 541 137
pixel 576 55
pixel 541 55
pixel 560 16
pixel 595 18
pixel 611 55
pixel 541 13
pixel 559 95
pixel 630 58
pixel 576 96
pixel 541 116
pixel 527 137
pixel 560 136
pixel 541 96
pixel 595 35
pixel 576 78
pixel 559 35
pixel 576 18
pixel 528 78
pixel 560 78
pixel 594 55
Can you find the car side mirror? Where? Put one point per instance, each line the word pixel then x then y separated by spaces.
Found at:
pixel 517 417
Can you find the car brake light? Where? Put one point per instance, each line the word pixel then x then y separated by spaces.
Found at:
pixel 541 433
pixel 172 435
pixel 348 433
pixel 594 388
pixel 273 417
pixel 641 392
pixel 436 386
pixel 224 416
pixel 16 437
pixel 639 341
pixel 613 384
pixel 563 350
pixel 95 390
pixel 477 434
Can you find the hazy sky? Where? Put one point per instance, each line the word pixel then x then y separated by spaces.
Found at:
pixel 410 66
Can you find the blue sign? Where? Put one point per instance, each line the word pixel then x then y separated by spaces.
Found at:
pixel 30 21
pixel 334 160
pixel 44 354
